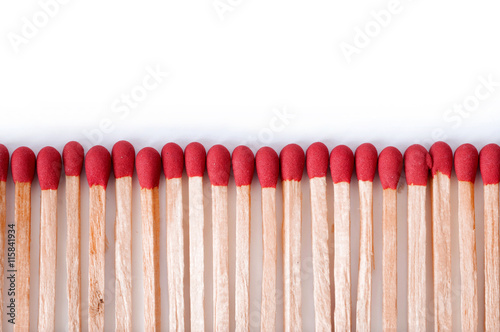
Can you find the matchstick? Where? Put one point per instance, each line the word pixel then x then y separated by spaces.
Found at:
pixel 195 156
pixel 267 162
pixel 73 162
pixel 97 168
pixel 442 162
pixel 341 166
pixel 366 166
pixel 317 158
pixel 417 163
pixel 243 168
pixel 4 169
pixel 292 166
pixel 23 171
pixel 123 155
pixel 173 165
pixel 466 160
pixel 148 165
pixel 218 168
pixel 489 163
pixel 49 171
pixel 390 165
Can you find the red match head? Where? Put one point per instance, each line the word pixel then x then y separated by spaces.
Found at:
pixel 48 168
pixel 123 155
pixel 218 165
pixel 466 160
pixel 341 164
pixel 194 156
pixel 489 164
pixel 4 162
pixel 442 158
pixel 173 160
pixel 417 164
pixel 292 161
pixel 243 165
pixel 148 165
pixel 73 158
pixel 390 165
pixel 98 166
pixel 317 160
pixel 23 165
pixel 268 167
pixel 366 162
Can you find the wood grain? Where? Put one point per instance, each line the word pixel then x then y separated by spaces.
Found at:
pixel 342 256
pixel 441 252
pixel 269 260
pixel 321 259
pixel 242 275
pixel 150 213
pixel 3 238
pixel 291 234
pixel 196 254
pixel 48 261
pixel 389 260
pixel 123 254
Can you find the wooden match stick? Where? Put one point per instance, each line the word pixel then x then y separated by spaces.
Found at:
pixel 23 170
pixel 243 168
pixel 442 162
pixel 218 168
pixel 390 165
pixel 4 169
pixel 292 166
pixel 173 165
pixel 195 156
pixel 123 155
pixel 366 166
pixel 97 168
pixel 417 164
pixel 73 162
pixel 317 158
pixel 466 160
pixel 49 171
pixel 148 164
pixel 341 166
pixel 267 162
pixel 489 163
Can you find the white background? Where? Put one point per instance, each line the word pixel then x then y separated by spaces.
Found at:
pixel 417 78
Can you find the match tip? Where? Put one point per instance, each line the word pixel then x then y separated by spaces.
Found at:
pixel 194 156
pixel 98 166
pixel 390 165
pixel 23 165
pixel 218 165
pixel 489 164
pixel 268 167
pixel 148 165
pixel 4 162
pixel 49 166
pixel 243 162
pixel 442 158
pixel 292 160
pixel 417 164
pixel 341 164
pixel 466 160
pixel 317 160
pixel 123 155
pixel 73 158
pixel 173 160
pixel 366 162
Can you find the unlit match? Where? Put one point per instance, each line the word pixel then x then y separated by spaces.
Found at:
pixel 4 169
